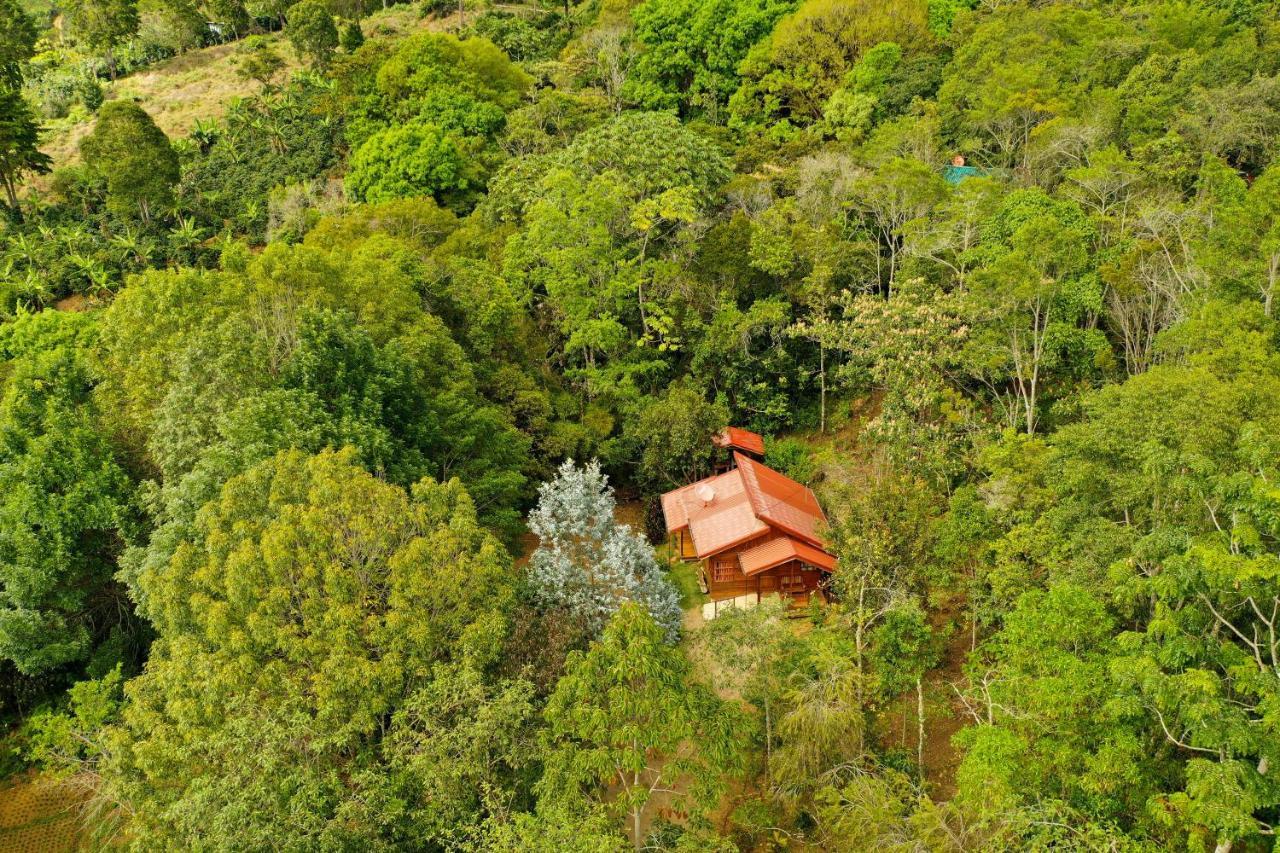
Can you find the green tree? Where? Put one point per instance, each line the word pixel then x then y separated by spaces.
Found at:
pixel 415 159
pixel 65 502
pixel 673 434
pixel 788 77
pixel 352 37
pixel 312 32
pixel 104 24
pixel 756 651
pixel 689 52
pixel 17 43
pixel 231 14
pixel 134 157
pixel 257 59
pixel 625 721
pixel 307 608
pixel 20 154
pixel 1034 304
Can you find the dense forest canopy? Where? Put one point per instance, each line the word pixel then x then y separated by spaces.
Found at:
pixel 333 424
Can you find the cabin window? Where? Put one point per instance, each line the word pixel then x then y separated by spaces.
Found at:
pixel 792 583
pixel 725 569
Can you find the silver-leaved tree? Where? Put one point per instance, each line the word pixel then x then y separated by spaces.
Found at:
pixel 588 563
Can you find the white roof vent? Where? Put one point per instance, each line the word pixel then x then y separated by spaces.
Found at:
pixel 705 493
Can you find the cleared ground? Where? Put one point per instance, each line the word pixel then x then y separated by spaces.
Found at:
pixel 202 84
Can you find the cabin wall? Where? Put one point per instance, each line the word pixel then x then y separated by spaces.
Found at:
pixel 792 578
pixel 682 544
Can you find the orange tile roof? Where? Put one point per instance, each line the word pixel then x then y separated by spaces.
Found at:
pixel 744 503
pixel 784 549
pixel 716 510
pixel 742 439
pixel 781 501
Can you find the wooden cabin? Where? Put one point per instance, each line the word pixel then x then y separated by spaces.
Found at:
pixel 755 532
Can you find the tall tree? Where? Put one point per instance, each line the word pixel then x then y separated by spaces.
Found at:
pixel 65 502
pixel 625 723
pixel 17 43
pixel 296 625
pixel 587 562
pixel 312 32
pixel 20 154
pixel 134 156
pixel 104 24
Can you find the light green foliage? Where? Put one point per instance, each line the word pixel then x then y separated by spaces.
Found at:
pixel 626 714
pixel 103 24
pixel 1036 396
pixel 601 221
pixel 314 599
pixel 788 77
pixel 757 655
pixel 651 153
pixel 1041 293
pixel 1020 70
pixel 454 742
pixel 257 60
pixel 851 111
pixel 1047 671
pixel 312 32
pixel 822 724
pixel 134 157
pixel 410 160
pixel 65 501
pixel 586 828
pixel 690 52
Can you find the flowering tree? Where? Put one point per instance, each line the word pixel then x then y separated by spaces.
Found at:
pixel 587 562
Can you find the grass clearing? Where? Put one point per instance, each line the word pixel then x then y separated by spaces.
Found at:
pixel 202 84
pixel 685 577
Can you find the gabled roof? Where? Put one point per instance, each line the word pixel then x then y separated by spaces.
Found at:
pixel 784 549
pixel 741 504
pixel 717 511
pixel 740 439
pixel 781 501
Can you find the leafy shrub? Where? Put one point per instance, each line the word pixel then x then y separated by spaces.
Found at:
pixel 522 38
pixel 410 160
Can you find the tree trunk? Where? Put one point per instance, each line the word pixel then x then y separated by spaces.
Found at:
pixel 920 724
pixel 822 378
pixel 768 737
pixel 11 192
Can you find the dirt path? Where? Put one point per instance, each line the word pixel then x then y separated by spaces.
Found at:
pixel 943 714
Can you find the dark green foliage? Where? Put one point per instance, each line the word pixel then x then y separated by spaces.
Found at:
pixel 66 503
pixel 134 158
pixel 312 32
pixel 1036 394
pixel 264 144
pixel 352 37
pixel 17 43
pixel 20 155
